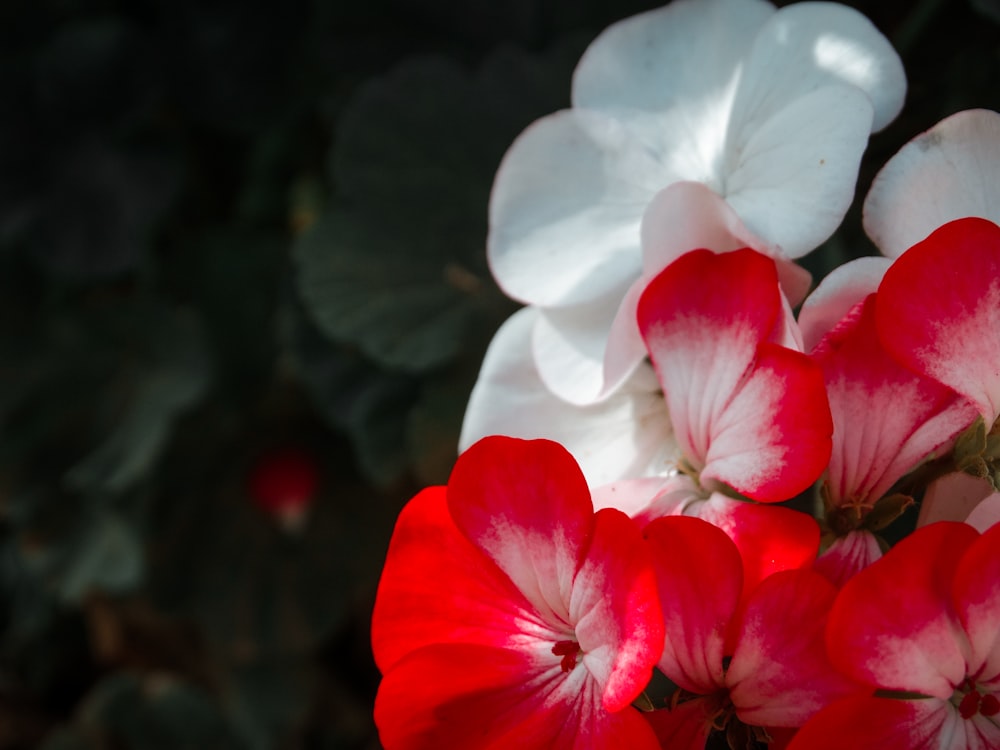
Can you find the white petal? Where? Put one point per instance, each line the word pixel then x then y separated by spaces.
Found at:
pixel 565 209
pixel 669 56
pixel 572 348
pixel 952 498
pixel 807 46
pixel 793 177
pixel 949 172
pixel 629 435
pixel 843 288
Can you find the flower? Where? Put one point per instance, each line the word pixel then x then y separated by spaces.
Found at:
pixel 769 110
pixel 748 412
pixel 509 614
pixel 887 421
pixel 919 628
pixel 745 659
pixel 948 172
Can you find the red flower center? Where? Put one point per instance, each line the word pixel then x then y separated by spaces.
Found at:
pixel 975 702
pixel 568 650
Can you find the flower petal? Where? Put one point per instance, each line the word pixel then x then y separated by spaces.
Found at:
pixel 482 698
pixel 806 46
pixel 843 288
pixel 795 175
pixel 780 674
pixel 687 552
pixel 952 498
pixel 773 439
pixel 977 601
pixel 770 538
pixel 578 353
pixel 939 310
pixel 688 216
pixel 864 722
pixel 848 555
pixel 686 726
pixel 702 319
pixel 893 625
pixel 526 505
pixel 628 435
pixel 915 418
pixel 616 611
pixel 685 52
pixel 437 587
pixel 949 172
pixel 565 209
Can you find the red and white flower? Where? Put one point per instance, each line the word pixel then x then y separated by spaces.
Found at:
pixel 748 660
pixel 920 628
pixel 887 421
pixel 509 614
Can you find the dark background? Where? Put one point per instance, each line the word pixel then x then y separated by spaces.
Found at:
pixel 242 247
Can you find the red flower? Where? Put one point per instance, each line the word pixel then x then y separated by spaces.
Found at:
pixel 921 628
pixel 746 668
pixel 509 614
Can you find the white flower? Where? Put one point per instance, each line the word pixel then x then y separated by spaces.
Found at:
pixel 769 109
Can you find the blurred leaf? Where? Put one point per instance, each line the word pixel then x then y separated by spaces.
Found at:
pixel 171 375
pixel 368 404
pixel 98 211
pixel 156 712
pixel 94 73
pixel 397 266
pixel 103 552
pixel 233 276
pixel 989 8
pixel 435 422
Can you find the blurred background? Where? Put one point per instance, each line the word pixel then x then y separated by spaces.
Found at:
pixel 243 299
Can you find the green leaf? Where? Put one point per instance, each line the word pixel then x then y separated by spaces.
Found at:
pixel 397 265
pixel 171 373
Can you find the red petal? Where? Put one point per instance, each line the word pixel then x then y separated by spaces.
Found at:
pixel 685 727
pixel 977 600
pixel 481 698
pixel 616 610
pixel 700 576
pixel 863 722
pixel 526 505
pixel 437 587
pixel 914 418
pixel 893 625
pixel 780 674
pixel 702 319
pixel 848 555
pixel 773 439
pixel 769 538
pixel 939 310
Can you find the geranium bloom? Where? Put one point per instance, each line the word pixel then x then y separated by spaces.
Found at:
pixel 920 628
pixel 940 310
pixel 887 420
pixel 749 414
pixel 768 110
pixel 743 669
pixel 509 614
pixel 941 298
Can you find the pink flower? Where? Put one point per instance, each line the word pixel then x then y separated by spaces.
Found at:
pixel 921 629
pixel 745 662
pixel 509 614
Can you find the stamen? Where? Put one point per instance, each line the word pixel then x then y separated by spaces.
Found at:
pixel 969 705
pixel 568 650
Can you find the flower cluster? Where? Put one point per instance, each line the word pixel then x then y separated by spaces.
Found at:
pixel 613 562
